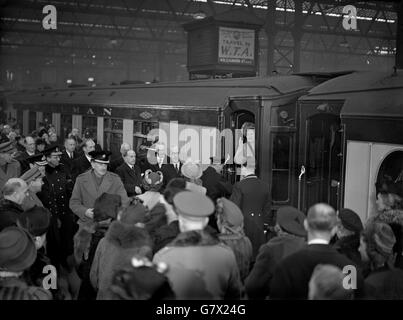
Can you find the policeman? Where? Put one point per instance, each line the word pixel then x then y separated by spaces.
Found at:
pixel 92 184
pixel 55 195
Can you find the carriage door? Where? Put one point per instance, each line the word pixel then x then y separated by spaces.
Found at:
pixel 240 114
pixel 322 160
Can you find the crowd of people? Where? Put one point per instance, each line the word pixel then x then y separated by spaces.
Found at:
pixel 78 225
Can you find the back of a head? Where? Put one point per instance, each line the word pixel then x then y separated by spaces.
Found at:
pixel 36 220
pixel 175 186
pixel 321 218
pixel 107 206
pixel 12 185
pixel 327 284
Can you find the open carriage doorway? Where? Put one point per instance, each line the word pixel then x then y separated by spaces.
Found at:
pixel 242 126
pixel 323 160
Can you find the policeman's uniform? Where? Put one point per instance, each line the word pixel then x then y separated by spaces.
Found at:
pixel 55 196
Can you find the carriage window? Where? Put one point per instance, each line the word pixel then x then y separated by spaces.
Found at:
pixel 32 121
pixel 89 126
pixel 390 174
pixel 66 123
pixel 281 146
pixel 283 116
pixel 141 129
pixel 113 135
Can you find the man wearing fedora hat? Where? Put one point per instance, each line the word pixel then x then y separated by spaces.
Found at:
pixel 200 267
pixel 17 254
pixel 290 238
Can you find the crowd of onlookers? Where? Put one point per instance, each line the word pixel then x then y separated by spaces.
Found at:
pixel 79 223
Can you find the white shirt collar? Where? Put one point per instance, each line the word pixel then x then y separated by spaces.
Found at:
pixel 30 153
pixel 88 158
pixel 318 241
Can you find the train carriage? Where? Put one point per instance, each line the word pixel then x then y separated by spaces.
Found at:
pixel 127 113
pixel 351 128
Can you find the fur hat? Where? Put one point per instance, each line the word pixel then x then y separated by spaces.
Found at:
pixel 142 281
pixel 17 249
pixel 350 220
pixel 106 206
pixel 133 214
pixel 152 181
pixel 379 237
pixel 291 220
pixel 36 220
pixel 126 236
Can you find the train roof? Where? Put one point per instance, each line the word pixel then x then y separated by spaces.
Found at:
pixel 365 93
pixel 206 93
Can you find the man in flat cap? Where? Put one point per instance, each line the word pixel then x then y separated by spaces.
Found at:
pixel 200 266
pixel 93 183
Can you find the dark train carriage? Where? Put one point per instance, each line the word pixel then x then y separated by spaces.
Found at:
pixel 352 128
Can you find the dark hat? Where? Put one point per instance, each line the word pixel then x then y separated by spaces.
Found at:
pixel 380 237
pixel 143 282
pixel 193 204
pixel 152 180
pixel 39 159
pixel 55 151
pixel 17 249
pixel 42 132
pixel 36 220
pixel 350 220
pixel 231 213
pixel 100 156
pixel 40 141
pixel 7 147
pixel 291 220
pixel 31 175
pixel 106 206
pixel 134 213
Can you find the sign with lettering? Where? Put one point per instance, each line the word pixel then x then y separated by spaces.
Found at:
pixel 236 46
